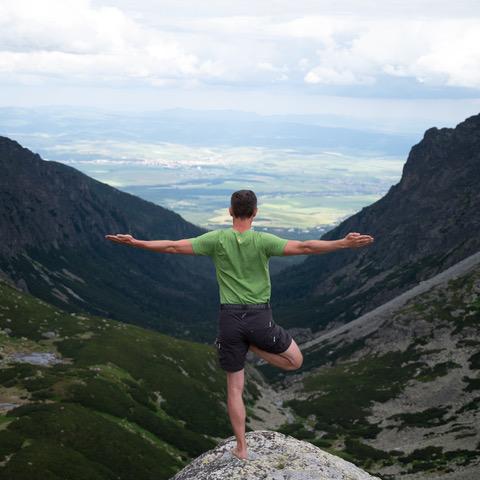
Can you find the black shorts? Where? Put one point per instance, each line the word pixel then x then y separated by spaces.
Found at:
pixel 238 328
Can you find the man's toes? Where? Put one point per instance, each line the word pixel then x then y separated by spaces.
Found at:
pixel 239 455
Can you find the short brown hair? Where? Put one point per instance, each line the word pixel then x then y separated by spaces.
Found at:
pixel 243 203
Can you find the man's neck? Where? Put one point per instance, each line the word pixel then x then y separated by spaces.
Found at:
pixel 241 226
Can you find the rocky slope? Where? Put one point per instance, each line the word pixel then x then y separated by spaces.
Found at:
pixel 427 222
pixel 274 457
pixel 53 219
pixel 397 391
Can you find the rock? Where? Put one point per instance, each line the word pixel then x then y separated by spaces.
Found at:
pixel 49 334
pixel 35 358
pixel 275 457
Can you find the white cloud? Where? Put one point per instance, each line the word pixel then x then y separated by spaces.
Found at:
pixel 435 52
pixel 70 39
pixel 76 41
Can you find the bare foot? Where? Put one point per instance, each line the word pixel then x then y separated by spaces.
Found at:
pixel 240 454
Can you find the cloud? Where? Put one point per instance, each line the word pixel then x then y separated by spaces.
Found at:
pixel 70 39
pixel 434 52
pixel 77 41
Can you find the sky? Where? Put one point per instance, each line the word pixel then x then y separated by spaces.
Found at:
pixel 403 64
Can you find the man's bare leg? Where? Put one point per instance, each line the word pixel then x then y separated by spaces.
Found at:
pixel 236 410
pixel 290 359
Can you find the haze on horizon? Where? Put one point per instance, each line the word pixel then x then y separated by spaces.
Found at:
pixel 397 65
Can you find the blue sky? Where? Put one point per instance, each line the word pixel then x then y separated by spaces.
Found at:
pixel 401 65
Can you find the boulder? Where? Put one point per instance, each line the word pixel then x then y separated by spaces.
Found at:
pixel 275 456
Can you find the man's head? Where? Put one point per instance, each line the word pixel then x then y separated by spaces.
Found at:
pixel 243 204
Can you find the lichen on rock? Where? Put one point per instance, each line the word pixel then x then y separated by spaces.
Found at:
pixel 275 457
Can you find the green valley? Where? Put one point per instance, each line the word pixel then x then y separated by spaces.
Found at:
pixel 101 399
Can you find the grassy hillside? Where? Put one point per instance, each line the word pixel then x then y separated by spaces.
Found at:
pixel 399 393
pixel 85 397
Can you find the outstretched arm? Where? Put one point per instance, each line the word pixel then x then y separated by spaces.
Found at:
pixel 309 247
pixel 161 246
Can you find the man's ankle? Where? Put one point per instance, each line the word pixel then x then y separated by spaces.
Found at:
pixel 241 447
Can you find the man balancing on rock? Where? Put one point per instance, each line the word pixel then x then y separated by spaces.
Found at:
pixel 245 321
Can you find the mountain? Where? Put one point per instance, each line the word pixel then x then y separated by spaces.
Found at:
pixel 390 382
pixel 85 397
pixel 397 390
pixel 53 220
pixel 427 222
pixel 274 456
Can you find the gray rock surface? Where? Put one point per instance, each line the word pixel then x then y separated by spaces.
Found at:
pixel 274 457
pixel 374 320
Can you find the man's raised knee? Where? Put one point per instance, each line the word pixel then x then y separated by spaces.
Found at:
pixel 297 362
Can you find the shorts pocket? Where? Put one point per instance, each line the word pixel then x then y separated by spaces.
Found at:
pixel 265 335
pixel 259 323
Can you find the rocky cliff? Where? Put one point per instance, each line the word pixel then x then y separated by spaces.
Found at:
pixel 274 457
pixel 427 222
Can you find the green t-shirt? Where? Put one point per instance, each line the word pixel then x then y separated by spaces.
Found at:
pixel 241 262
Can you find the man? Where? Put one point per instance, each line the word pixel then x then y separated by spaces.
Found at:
pixel 245 321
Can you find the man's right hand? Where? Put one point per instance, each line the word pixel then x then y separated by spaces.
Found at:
pixel 119 238
pixel 355 240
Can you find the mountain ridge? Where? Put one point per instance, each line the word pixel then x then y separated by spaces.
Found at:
pixel 53 220
pixel 425 223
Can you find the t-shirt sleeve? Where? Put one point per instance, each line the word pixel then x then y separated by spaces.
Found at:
pixel 273 245
pixel 205 244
